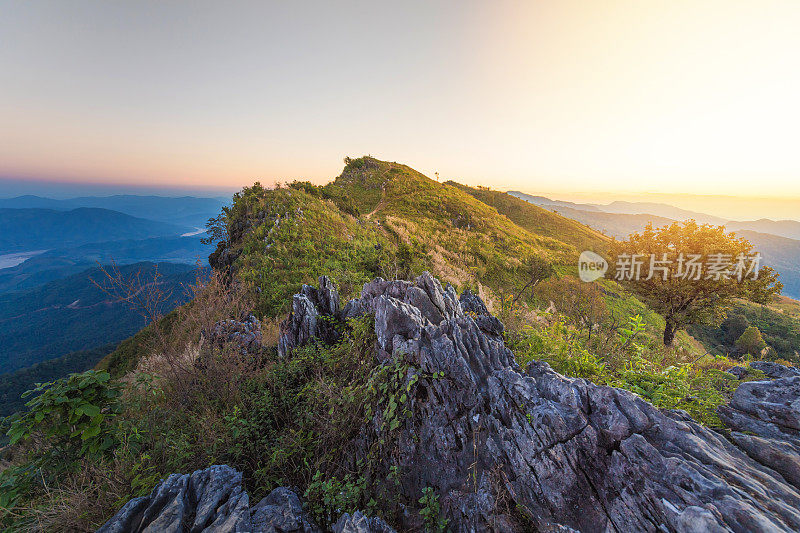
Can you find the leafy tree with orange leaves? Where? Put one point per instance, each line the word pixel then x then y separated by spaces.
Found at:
pixel 690 272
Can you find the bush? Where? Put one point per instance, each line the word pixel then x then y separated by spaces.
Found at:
pixel 632 362
pixel 328 498
pixel 750 342
pixel 430 512
pixel 76 415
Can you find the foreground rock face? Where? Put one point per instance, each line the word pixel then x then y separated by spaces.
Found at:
pixel 766 418
pixel 511 450
pixel 212 501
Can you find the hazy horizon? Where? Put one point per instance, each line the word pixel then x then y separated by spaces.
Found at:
pixel 14 187
pixel 723 206
pixel 625 97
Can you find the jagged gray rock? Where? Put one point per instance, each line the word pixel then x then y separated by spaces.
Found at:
pixel 210 500
pixel 245 333
pixel 775 370
pixel 509 450
pixel 403 304
pixel 359 523
pixel 281 512
pixel 213 501
pixel 307 319
pixel 766 418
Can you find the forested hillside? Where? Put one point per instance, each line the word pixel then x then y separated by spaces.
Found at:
pixel 74 313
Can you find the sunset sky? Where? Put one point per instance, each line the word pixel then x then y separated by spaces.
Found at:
pixel 675 96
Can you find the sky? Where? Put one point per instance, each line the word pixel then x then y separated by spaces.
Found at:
pixel 675 96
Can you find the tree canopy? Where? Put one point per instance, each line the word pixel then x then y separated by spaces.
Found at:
pixel 691 272
pixel 750 342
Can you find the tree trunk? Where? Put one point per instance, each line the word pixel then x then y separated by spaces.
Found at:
pixel 669 333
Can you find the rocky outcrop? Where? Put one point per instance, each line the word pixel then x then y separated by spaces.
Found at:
pixel 207 500
pixel 508 449
pixel 766 418
pixel 399 304
pixel 244 334
pixel 511 449
pixel 213 501
pixel 310 318
pixel 775 370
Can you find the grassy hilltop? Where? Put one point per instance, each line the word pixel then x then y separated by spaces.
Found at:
pixel 386 219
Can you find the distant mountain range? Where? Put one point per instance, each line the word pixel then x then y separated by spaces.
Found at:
pixel 185 211
pixel 778 241
pixel 626 208
pixel 73 313
pixel 62 262
pixel 37 228
pixel 53 319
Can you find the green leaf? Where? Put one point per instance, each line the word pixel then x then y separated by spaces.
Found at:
pixel 89 410
pixel 91 431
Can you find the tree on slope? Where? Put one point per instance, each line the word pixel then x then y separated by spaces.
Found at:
pixel 690 273
pixel 750 342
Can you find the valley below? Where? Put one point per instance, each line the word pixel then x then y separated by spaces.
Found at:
pixel 14 259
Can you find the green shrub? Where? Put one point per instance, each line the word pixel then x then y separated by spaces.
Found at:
pixel 430 512
pixel 77 416
pixel 632 362
pixel 327 499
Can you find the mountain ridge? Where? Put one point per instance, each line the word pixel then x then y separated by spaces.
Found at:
pixel 48 228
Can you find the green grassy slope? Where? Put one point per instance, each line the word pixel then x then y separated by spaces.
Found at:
pixel 385 219
pixel 538 220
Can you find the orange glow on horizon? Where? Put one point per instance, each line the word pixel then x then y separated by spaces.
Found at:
pixel 683 97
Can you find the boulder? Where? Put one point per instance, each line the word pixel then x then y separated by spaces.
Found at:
pixel 281 512
pixel 213 501
pixel 737 371
pixel 210 500
pixel 775 370
pixel 244 334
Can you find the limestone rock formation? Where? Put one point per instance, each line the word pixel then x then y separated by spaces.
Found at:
pixel 213 501
pixel 359 523
pixel 307 318
pixel 245 334
pixel 511 449
pixel 208 500
pixel 506 448
pixel 766 418
pixel 775 370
